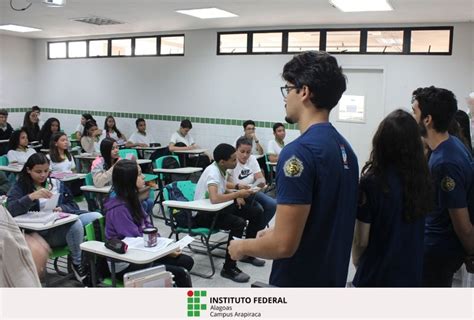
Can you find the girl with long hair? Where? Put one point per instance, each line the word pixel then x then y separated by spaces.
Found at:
pixel 126 218
pixel 395 193
pixel 103 165
pixel 90 137
pixel 31 125
pixel 18 148
pixel 50 127
pixel 61 159
pixel 30 192
pixel 111 131
pixel 80 126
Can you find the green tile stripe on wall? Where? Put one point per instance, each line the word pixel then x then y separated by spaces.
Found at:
pixel 161 117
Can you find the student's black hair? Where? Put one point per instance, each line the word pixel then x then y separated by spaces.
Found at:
pixel 87 116
pixel 241 141
pixel 14 141
pixel 35 109
pixel 247 123
pixel 186 124
pixel 114 128
pixel 45 133
pixel 124 177
pixel 32 129
pixel 397 144
pixel 105 150
pixel 320 72
pixel 440 103
pixel 4 112
pixel 223 152
pixel 462 119
pixel 89 124
pixel 24 179
pixel 53 149
pixel 138 121
pixel 277 125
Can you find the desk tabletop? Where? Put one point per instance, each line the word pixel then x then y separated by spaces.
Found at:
pixel 96 189
pixel 198 205
pixel 16 168
pixel 150 148
pixel 38 226
pixel 185 170
pixel 191 151
pixel 4 141
pixel 132 255
pixel 68 176
pixel 273 164
pixel 143 161
pixel 86 156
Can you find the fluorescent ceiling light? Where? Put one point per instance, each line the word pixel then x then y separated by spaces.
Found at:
pixel 208 13
pixel 361 5
pixel 15 28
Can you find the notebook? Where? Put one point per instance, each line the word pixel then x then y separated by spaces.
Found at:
pixel 40 217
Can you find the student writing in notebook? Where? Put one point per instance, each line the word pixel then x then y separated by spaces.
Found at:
pixel 19 151
pixel 126 218
pixel 30 193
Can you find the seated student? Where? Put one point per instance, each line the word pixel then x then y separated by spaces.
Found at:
pixel 126 218
pixel 90 137
pixel 30 192
pixel 30 123
pixel 50 127
pixel 103 166
pixel 111 131
pixel 6 131
pixel 61 159
pixel 212 185
pixel 23 257
pixel 275 145
pixel 80 126
pixel 19 151
pixel 247 174
pixel 182 140
pixel 249 133
pixel 38 113
pixel 394 196
pixel 139 138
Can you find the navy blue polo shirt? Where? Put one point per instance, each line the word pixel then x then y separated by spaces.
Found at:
pixel 394 255
pixel 451 167
pixel 320 169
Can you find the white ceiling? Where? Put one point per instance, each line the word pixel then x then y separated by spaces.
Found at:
pixel 159 15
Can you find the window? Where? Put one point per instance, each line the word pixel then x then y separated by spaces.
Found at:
pixel 77 49
pixel 233 43
pixel 172 45
pixel 57 50
pixel 303 41
pixel 267 42
pixel 98 48
pixel 343 41
pixel 121 47
pixel 145 46
pixel 430 41
pixel 385 41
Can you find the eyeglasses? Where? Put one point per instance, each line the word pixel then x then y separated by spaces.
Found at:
pixel 286 90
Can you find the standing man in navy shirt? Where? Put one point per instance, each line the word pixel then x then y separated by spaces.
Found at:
pixel 317 176
pixel 449 233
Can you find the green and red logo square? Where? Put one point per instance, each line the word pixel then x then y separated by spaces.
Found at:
pixel 195 305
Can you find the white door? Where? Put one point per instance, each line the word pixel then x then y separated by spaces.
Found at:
pixel 368 83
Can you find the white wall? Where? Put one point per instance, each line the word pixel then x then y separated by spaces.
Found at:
pixel 203 84
pixel 17 72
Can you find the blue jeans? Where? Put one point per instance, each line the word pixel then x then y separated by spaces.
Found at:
pixel 71 234
pixel 269 206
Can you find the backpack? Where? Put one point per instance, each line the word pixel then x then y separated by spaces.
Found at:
pixel 184 217
pixel 171 163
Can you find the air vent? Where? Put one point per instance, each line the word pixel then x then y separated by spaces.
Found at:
pixel 98 21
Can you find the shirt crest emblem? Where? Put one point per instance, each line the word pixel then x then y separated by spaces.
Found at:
pixel 293 167
pixel 448 184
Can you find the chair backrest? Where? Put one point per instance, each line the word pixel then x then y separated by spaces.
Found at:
pixel 123 153
pixel 4 161
pixel 95 230
pixel 266 163
pixel 167 162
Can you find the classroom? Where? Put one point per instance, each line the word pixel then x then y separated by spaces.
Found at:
pixel 154 62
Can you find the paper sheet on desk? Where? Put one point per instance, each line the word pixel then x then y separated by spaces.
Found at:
pixel 51 203
pixel 139 243
pixel 184 242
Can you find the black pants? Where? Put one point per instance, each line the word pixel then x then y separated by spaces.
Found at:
pixel 174 265
pixel 234 220
pixel 438 270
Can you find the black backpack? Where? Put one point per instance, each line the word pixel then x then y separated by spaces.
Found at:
pixel 184 217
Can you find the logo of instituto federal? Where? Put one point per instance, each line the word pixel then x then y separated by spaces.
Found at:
pixel 195 305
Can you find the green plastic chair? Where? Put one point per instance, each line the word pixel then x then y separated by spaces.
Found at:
pixel 159 164
pixel 188 188
pixel 96 231
pixel 4 160
pixel 123 153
